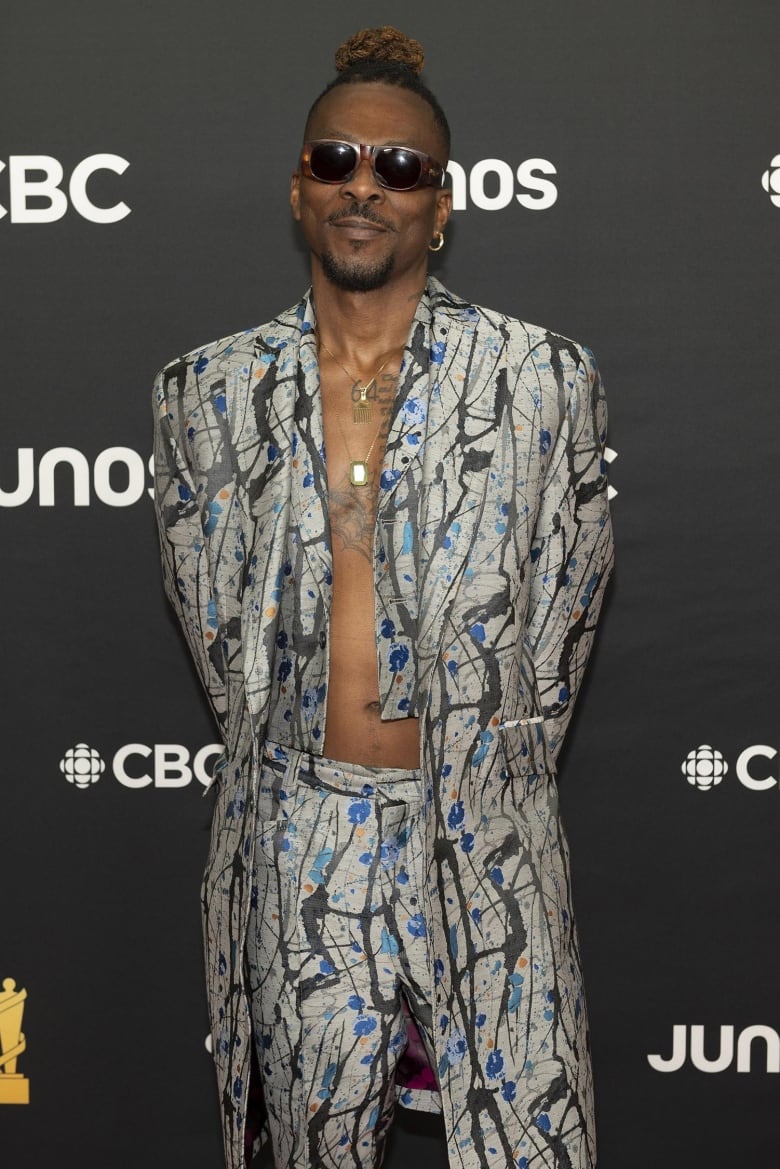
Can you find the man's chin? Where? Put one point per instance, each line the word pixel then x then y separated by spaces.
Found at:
pixel 351 276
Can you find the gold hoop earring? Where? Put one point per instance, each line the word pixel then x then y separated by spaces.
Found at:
pixel 440 237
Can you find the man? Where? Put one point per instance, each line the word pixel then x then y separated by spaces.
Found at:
pixel 392 642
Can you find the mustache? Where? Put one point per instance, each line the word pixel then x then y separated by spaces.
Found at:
pixel 357 210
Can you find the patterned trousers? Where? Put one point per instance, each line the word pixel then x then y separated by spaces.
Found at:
pixel 337 953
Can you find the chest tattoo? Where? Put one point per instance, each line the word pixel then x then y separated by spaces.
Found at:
pixel 353 508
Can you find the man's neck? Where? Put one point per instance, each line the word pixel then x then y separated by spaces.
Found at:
pixel 362 326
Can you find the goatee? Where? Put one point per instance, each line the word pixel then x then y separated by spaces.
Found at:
pixel 352 276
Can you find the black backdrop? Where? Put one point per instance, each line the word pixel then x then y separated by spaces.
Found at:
pixel 658 127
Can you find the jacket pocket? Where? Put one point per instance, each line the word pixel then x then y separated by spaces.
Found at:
pixel 526 756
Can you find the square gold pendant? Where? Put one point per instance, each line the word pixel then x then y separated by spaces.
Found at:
pixel 358 473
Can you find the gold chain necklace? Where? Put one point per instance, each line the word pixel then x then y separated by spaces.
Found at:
pixel 361 410
pixel 358 468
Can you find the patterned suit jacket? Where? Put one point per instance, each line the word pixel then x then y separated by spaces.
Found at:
pixel 495 459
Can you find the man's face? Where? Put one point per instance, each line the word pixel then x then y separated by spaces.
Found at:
pixel 361 234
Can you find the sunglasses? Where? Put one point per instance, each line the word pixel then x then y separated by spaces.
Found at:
pixel 398 168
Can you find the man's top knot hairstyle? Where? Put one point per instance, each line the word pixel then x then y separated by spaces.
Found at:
pixel 380 44
pixel 387 56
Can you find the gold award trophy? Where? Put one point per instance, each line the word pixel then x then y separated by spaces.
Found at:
pixel 14 1087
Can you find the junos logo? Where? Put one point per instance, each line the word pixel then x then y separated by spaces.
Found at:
pixel 491 184
pixel 682 1049
pixel 36 178
pixel 136 765
pixel 705 767
pixel 118 477
pixel 770 180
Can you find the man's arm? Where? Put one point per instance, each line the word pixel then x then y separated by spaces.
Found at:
pixel 571 553
pixel 183 520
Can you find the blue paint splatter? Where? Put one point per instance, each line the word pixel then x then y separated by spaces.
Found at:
pixel 388 479
pixel 388 944
pixel 324 856
pixel 364 1025
pixel 456 1047
pixel 456 815
pixel 358 811
pixel 416 926
pixel 399 656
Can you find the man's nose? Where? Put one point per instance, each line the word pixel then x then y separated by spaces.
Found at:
pixel 363 185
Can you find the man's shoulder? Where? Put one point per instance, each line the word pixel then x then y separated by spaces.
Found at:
pixel 517 334
pixel 244 348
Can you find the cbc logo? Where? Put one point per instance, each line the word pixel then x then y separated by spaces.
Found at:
pixel 490 184
pixel 770 180
pixel 136 765
pixel 705 767
pixel 39 178
pixel 694 1050
pixel 81 765
pixel 118 477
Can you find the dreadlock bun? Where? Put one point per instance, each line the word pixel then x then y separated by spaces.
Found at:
pixel 380 44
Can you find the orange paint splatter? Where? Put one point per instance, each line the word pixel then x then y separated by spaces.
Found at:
pixel 270 611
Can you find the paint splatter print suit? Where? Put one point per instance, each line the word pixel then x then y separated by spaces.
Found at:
pixel 392 636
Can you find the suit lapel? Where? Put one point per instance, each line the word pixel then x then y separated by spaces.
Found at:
pixel 309 480
pixel 407 434
pixel 466 354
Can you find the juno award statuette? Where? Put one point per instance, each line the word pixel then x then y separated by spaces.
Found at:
pixel 14 1087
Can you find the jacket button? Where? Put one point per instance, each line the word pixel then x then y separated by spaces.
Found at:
pixel 323 639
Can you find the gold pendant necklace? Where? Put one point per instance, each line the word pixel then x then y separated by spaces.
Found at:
pixel 358 468
pixel 361 410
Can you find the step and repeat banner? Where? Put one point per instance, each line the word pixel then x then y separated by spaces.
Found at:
pixel 616 177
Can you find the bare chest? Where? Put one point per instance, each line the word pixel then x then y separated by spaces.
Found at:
pixel 356 422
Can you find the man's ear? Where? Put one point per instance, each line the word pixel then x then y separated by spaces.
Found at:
pixel 295 195
pixel 443 209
